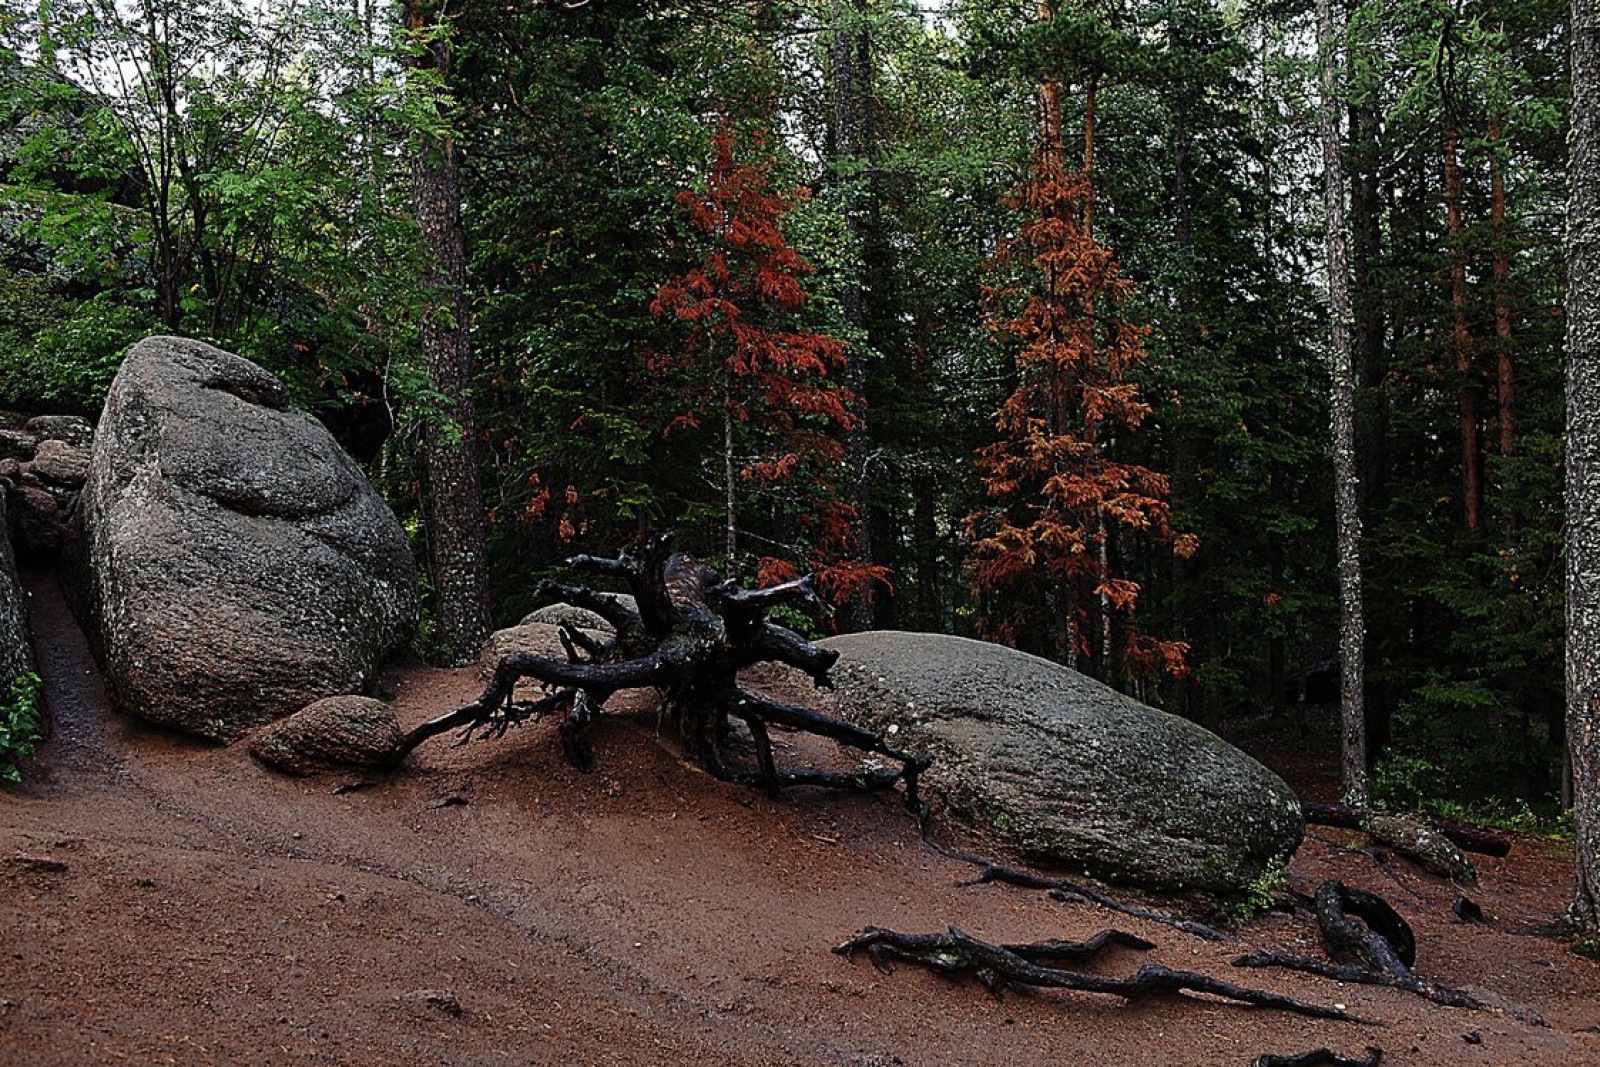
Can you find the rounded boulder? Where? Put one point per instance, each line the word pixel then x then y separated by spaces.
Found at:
pixel 237 564
pixel 1065 770
pixel 343 731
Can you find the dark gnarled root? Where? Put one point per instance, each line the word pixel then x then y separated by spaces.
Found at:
pixel 1320 1057
pixel 1000 967
pixel 757 712
pixel 691 635
pixel 1066 891
pixel 1380 947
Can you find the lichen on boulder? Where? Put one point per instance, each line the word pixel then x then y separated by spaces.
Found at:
pixel 1065 770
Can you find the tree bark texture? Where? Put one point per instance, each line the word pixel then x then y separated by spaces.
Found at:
pixel 1347 515
pixel 456 529
pixel 1583 463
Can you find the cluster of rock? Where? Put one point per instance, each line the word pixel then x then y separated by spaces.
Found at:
pixel 239 576
pixel 42 470
pixel 231 563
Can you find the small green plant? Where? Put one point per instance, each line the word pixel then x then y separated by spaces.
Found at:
pixel 20 722
pixel 1259 895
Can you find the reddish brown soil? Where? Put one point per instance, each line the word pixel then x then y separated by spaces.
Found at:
pixel 165 902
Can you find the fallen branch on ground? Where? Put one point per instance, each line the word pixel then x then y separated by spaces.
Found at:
pixel 999 967
pixel 1470 838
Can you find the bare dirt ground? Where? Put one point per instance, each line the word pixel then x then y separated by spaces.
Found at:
pixel 166 902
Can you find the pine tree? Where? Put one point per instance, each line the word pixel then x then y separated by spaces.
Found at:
pixel 768 386
pixel 456 535
pixel 1058 495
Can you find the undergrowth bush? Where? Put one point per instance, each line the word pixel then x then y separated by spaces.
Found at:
pixel 21 722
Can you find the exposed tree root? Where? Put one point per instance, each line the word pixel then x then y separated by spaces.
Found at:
pixel 1320 1057
pixel 1064 890
pixel 1380 858
pixel 689 638
pixel 1379 949
pixel 999 967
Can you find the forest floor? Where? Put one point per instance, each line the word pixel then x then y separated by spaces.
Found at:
pixel 167 902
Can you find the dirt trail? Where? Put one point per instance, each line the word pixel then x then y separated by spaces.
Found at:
pixel 164 901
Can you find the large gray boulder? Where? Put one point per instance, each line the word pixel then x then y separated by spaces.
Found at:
pixel 1066 770
pixel 238 564
pixel 533 638
pixel 16 653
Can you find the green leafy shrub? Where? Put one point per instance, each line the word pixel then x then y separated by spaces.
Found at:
pixel 1407 783
pixel 20 725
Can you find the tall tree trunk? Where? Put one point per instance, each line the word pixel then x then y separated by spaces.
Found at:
pixel 730 479
pixel 1583 463
pixel 1460 333
pixel 1052 141
pixel 454 500
pixel 1502 286
pixel 853 147
pixel 1371 346
pixel 1352 622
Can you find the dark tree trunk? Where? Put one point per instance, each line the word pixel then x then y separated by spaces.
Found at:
pixel 1352 622
pixel 1502 285
pixel 853 148
pixel 1583 463
pixel 454 499
pixel 1461 333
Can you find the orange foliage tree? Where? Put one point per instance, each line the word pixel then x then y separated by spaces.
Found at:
pixel 1045 548
pixel 749 371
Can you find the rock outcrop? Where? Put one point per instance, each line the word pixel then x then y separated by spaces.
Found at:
pixel 1067 771
pixel 238 564
pixel 557 614
pixel 43 468
pixel 72 429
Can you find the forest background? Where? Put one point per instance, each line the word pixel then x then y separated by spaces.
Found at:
pixel 1008 318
